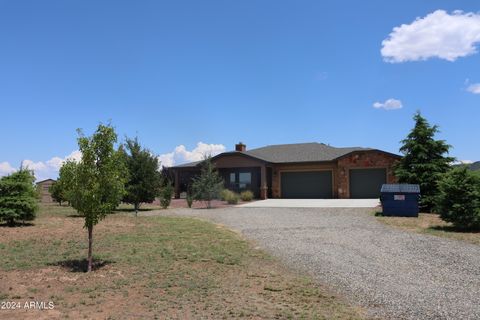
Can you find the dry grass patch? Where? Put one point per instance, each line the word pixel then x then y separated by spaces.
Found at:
pixel 151 267
pixel 431 224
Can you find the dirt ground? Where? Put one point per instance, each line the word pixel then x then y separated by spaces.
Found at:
pixel 150 268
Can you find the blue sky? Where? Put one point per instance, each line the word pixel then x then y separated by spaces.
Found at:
pixel 263 72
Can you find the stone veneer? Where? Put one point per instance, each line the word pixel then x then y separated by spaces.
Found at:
pixel 340 170
pixel 363 159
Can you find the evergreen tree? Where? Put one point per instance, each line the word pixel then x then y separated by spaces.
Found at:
pixel 18 197
pixel 424 160
pixel 459 198
pixel 208 185
pixel 144 177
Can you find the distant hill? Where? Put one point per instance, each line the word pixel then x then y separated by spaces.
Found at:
pixel 474 166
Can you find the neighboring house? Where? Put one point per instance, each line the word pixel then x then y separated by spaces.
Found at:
pixel 303 170
pixel 44 193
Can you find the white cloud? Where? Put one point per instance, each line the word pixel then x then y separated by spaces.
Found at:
pixel 438 34
pixel 390 104
pixel 462 162
pixel 50 168
pixel 42 170
pixel 6 169
pixel 474 88
pixel 181 155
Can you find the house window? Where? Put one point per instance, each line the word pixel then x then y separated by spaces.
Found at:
pixel 233 177
pixel 245 179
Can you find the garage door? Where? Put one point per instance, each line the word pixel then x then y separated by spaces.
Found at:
pixel 307 185
pixel 366 183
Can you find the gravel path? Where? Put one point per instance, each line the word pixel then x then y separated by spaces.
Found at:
pixel 394 274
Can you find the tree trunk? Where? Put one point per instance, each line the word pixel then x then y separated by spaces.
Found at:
pixel 90 244
pixel 136 209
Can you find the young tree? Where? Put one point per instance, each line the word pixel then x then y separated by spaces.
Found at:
pixel 208 185
pixel 97 186
pixel 144 178
pixel 459 198
pixel 57 193
pixel 66 180
pixel 18 197
pixel 424 160
pixel 166 195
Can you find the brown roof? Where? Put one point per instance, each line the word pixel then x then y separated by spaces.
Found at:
pixel 301 152
pixel 293 153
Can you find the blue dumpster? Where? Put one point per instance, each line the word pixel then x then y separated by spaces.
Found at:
pixel 400 200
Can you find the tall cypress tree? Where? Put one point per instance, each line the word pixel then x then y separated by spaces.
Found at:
pixel 424 160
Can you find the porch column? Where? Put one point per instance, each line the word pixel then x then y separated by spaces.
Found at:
pixel 177 184
pixel 263 182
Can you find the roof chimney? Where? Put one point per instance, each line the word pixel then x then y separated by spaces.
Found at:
pixel 240 147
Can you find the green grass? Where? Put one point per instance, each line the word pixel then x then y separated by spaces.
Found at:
pixel 150 266
pixel 428 223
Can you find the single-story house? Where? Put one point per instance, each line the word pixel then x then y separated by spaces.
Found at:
pixel 43 190
pixel 301 170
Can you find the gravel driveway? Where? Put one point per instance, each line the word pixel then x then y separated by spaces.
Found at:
pixel 395 274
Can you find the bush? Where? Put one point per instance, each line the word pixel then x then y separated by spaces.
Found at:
pixel 459 198
pixel 246 195
pixel 226 194
pixel 166 195
pixel 18 197
pixel 232 198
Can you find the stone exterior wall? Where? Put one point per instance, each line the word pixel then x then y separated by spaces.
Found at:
pixel 278 169
pixel 366 160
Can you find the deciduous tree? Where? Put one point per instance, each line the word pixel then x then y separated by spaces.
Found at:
pixel 98 184
pixel 57 193
pixel 144 177
pixel 66 180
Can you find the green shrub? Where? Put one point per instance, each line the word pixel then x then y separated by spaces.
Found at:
pixel 166 195
pixel 246 195
pixel 458 201
pixel 225 194
pixel 232 198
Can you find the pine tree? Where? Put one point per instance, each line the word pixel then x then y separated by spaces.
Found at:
pixel 424 160
pixel 18 197
pixel 208 185
pixel 459 198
